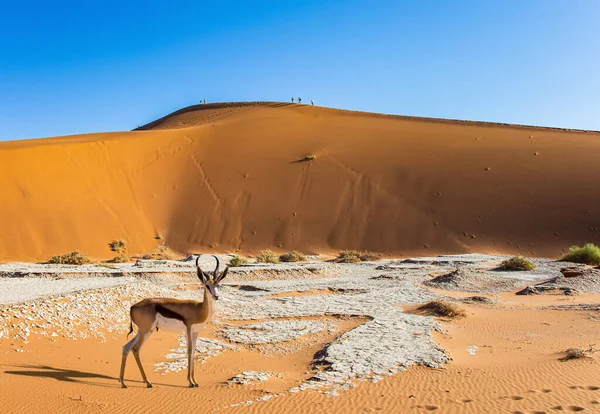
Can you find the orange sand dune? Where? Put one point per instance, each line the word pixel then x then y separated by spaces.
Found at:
pixel 227 177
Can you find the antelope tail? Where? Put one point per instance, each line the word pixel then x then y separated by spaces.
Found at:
pixel 130 328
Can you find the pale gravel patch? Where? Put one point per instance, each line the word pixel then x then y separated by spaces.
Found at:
pixel 27 289
pixel 271 332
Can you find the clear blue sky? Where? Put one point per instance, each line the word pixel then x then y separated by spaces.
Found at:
pixel 71 67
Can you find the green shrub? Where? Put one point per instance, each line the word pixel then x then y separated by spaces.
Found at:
pixel 309 157
pixel 237 261
pixel 517 263
pixel 588 254
pixel 292 257
pixel 267 256
pixel 119 246
pixel 353 256
pixel 73 258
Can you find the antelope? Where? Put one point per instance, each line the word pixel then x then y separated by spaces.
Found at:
pixel 173 315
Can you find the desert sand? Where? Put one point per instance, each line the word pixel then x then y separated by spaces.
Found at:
pixel 306 337
pixel 230 177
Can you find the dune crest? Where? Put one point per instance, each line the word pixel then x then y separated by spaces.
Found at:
pixel 227 177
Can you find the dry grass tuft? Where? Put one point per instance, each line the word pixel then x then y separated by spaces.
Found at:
pixel 442 309
pixel 73 258
pixel 368 256
pixel 237 261
pixel 119 259
pixel 267 256
pixel 577 353
pixel 292 257
pixel 348 256
pixel 118 246
pixel 354 256
pixel 588 254
pixel 517 263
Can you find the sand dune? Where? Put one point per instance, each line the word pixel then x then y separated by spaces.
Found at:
pixel 227 177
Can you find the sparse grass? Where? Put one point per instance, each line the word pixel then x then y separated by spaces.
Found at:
pixel 119 259
pixel 118 246
pixel 162 252
pixel 267 256
pixel 73 258
pixel 588 254
pixel 517 263
pixel 293 256
pixel 237 261
pixel 368 256
pixel 348 256
pixel 577 353
pixel 353 256
pixel 442 309
pixel 309 157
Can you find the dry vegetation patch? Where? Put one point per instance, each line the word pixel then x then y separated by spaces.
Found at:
pixel 577 353
pixel 293 256
pixel 517 263
pixel 442 309
pixel 588 254
pixel 73 258
pixel 354 256
pixel 237 261
pixel 267 256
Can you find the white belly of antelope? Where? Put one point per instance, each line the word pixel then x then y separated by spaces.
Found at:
pixel 173 325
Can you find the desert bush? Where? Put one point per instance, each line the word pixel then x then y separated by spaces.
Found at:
pixel 292 257
pixel 588 254
pixel 73 258
pixel 121 258
pixel 517 263
pixel 348 256
pixel 442 309
pixel 118 246
pixel 309 157
pixel 368 256
pixel 237 261
pixel 353 256
pixel 577 353
pixel 267 256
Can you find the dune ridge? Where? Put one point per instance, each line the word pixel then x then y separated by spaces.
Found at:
pixel 230 177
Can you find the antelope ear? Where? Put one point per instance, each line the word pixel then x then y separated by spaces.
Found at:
pixel 223 274
pixel 201 275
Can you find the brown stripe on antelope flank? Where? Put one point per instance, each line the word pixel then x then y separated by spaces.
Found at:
pixel 168 313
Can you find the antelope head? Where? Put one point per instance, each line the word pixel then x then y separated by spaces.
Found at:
pixel 211 281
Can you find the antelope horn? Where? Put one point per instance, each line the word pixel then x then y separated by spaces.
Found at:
pixel 216 272
pixel 201 275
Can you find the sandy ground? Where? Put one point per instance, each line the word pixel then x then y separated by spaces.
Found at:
pixel 310 345
pixel 227 178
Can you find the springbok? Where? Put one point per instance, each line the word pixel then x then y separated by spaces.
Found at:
pixel 173 315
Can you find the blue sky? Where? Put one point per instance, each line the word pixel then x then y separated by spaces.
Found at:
pixel 70 67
